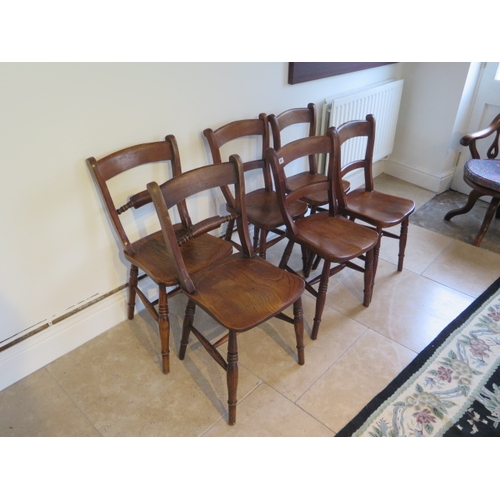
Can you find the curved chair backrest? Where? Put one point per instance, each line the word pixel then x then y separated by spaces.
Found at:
pixel 470 140
pixel 293 117
pixel 121 161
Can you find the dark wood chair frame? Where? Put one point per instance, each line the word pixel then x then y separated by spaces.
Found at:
pixel 333 238
pixel 379 210
pixel 148 253
pixel 316 201
pixel 239 292
pixel 478 191
pixel 262 206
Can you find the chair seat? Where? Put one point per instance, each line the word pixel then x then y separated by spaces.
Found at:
pixel 379 209
pixel 242 292
pixel 485 173
pixel 151 256
pixel 350 241
pixel 263 209
pixel 304 178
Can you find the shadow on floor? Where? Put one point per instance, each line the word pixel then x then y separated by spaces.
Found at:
pixel 462 227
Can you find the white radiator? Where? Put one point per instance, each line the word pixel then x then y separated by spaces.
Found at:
pixel 382 101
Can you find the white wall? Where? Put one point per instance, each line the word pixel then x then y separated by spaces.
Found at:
pixel 426 141
pixel 58 251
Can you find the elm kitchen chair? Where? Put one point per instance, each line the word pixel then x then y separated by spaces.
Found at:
pixel 326 234
pixel 483 176
pixel 262 204
pixel 240 291
pixel 379 210
pixel 298 118
pixel 148 252
pixel 308 117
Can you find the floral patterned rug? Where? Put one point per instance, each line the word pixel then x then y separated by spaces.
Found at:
pixel 452 388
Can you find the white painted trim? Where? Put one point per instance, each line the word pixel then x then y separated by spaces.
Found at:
pixel 57 340
pixel 435 183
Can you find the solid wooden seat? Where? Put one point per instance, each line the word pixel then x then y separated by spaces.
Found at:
pixel 240 291
pixel 287 119
pixel 483 176
pixel 262 206
pixel 380 210
pixel 335 239
pixel 148 252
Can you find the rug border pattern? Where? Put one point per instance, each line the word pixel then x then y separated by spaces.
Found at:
pixel 414 370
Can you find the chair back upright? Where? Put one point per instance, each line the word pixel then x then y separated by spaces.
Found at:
pixel 189 184
pixel 291 117
pixel 281 160
pixel 119 162
pixel 355 130
pixel 252 127
pixel 470 140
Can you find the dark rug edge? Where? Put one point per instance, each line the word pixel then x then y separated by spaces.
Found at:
pixel 419 361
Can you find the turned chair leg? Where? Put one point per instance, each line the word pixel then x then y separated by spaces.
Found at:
pixel 369 277
pixel 403 237
pixel 262 243
pixel 132 286
pixel 164 327
pixel 298 324
pixel 321 299
pixel 232 376
pixel 186 328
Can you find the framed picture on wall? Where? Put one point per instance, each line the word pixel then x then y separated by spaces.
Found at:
pixel 299 72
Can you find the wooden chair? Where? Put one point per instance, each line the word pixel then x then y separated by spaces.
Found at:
pixel 377 209
pixel 149 253
pixel 335 239
pixel 483 176
pixel 315 201
pixel 240 291
pixel 287 119
pixel 262 205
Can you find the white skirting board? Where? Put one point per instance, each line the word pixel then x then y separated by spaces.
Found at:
pixel 57 340
pixel 437 184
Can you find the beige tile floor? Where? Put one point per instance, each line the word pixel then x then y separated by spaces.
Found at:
pixel 113 386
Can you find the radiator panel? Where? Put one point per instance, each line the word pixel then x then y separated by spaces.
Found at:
pixel 382 101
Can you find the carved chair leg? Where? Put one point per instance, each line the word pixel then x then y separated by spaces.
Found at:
pixel 492 208
pixel 232 376
pixel 132 284
pixel 164 327
pixel 471 201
